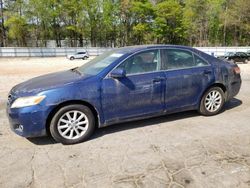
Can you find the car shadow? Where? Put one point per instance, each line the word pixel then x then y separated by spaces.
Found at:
pixel 45 140
pixel 143 123
pixel 233 103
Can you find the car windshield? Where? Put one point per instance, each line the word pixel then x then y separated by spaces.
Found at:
pixel 99 63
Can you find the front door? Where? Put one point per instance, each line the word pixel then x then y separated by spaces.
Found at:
pixel 139 93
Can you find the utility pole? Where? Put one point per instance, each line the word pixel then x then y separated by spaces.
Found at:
pixel 3 34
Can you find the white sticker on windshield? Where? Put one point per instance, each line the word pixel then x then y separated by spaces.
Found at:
pixel 116 55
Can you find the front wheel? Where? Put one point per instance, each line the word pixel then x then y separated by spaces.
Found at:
pixel 72 124
pixel 212 101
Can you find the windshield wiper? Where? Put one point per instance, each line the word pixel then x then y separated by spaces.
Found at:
pixel 76 70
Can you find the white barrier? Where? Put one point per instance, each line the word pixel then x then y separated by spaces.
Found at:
pixel 93 51
pixel 219 51
pixel 47 52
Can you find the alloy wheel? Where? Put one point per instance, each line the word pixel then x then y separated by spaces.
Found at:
pixel 73 124
pixel 213 101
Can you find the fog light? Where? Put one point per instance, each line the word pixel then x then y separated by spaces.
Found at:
pixel 19 128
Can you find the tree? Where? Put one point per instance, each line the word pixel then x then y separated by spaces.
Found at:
pixel 215 21
pixel 168 22
pixel 16 22
pixel 2 29
pixel 17 29
pixel 126 22
pixel 196 21
pixel 142 14
pixel 110 23
pixel 239 21
pixel 40 19
pixel 93 10
pixel 72 17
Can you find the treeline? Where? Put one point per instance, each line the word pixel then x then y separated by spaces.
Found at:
pixel 125 22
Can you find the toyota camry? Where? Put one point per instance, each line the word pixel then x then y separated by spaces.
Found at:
pixel 121 85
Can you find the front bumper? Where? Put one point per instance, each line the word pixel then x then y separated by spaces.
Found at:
pixel 28 121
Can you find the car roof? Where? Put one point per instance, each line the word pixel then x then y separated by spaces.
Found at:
pixel 132 49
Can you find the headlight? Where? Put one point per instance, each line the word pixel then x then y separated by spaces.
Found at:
pixel 27 101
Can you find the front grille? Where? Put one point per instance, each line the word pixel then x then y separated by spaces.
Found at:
pixel 18 127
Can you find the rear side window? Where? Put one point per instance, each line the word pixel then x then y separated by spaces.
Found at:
pixel 179 59
pixel 199 61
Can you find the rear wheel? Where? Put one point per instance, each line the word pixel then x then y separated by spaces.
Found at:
pixel 72 124
pixel 85 57
pixel 212 101
pixel 71 58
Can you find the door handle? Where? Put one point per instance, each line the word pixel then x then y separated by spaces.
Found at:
pixel 159 79
pixel 206 72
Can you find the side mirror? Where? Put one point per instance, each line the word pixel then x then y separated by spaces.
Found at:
pixel 118 73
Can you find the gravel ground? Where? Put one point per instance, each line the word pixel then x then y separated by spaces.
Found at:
pixel 179 150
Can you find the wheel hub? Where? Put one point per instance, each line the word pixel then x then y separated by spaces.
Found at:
pixel 73 124
pixel 213 101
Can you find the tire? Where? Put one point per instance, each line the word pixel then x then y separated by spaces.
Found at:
pixel 71 58
pixel 84 58
pixel 79 129
pixel 245 61
pixel 212 106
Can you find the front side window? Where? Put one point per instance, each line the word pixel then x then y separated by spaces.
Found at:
pixel 179 59
pixel 142 62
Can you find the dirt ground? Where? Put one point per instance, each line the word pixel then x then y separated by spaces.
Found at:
pixel 179 150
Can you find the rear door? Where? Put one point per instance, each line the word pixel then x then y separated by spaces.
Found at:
pixel 187 76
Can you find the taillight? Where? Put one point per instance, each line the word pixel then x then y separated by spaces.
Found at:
pixel 236 70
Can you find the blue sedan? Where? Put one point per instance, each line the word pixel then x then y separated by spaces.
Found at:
pixel 121 85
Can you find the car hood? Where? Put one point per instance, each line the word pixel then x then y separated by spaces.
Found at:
pixel 49 81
